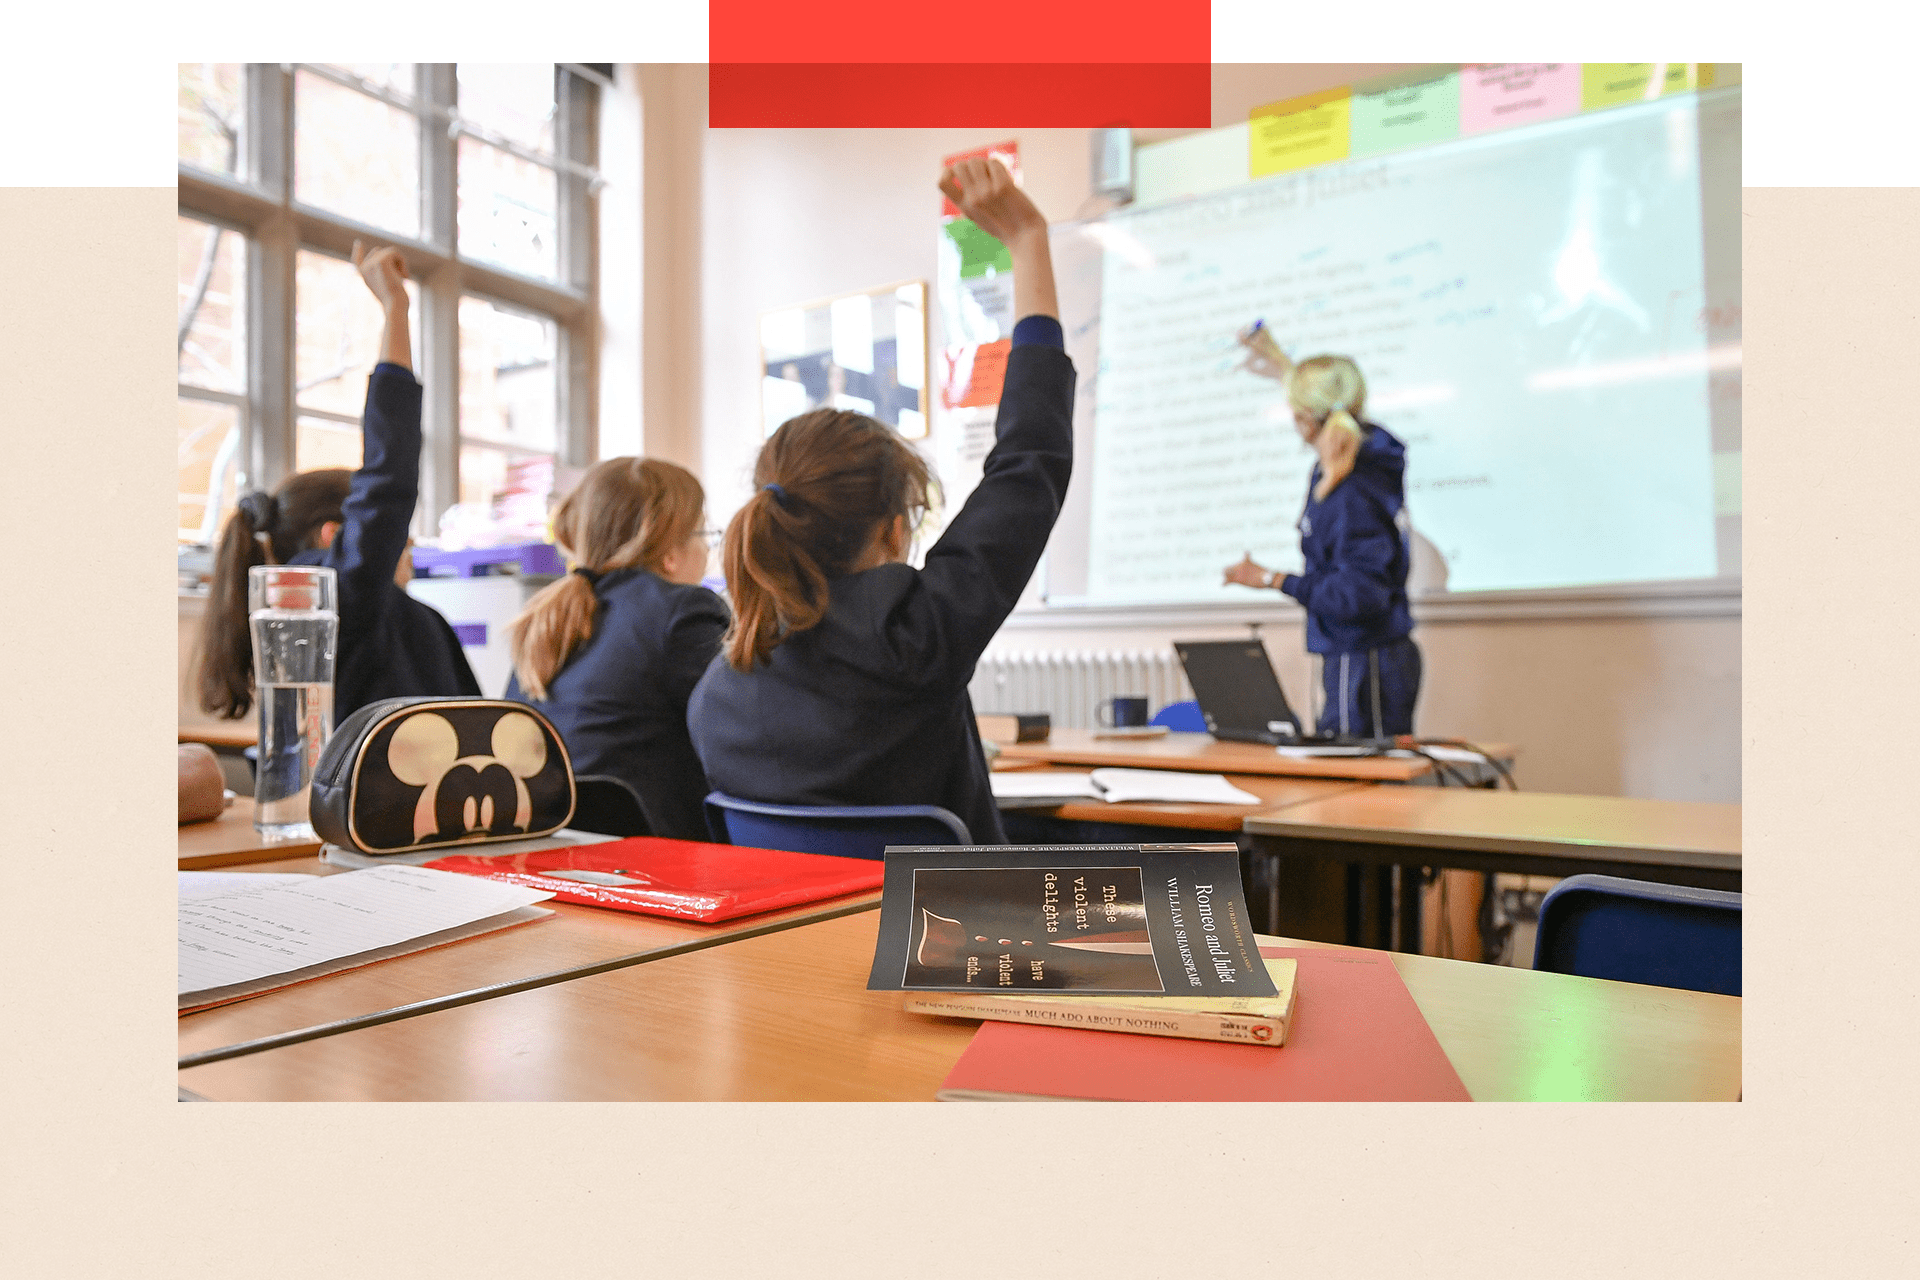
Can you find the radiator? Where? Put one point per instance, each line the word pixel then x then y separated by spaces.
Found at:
pixel 1068 686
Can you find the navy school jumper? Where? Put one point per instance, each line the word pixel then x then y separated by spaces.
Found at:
pixel 620 702
pixel 870 707
pixel 1355 592
pixel 390 644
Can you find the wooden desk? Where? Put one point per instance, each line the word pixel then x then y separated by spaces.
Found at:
pixel 1529 833
pixel 233 734
pixel 230 839
pixel 787 1017
pixel 1206 754
pixel 574 941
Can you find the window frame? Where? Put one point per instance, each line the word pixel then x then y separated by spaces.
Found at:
pixel 275 226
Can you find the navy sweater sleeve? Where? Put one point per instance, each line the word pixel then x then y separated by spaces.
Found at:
pixel 1357 584
pixel 975 573
pixel 691 644
pixel 379 505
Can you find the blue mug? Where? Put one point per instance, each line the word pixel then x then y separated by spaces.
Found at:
pixel 1126 713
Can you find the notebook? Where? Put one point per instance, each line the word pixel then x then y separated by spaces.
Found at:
pixel 1356 1036
pixel 683 879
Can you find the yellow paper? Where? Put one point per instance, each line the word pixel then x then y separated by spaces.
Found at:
pixel 1299 132
pixel 1612 84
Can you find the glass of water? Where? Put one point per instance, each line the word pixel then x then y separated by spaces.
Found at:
pixel 295 625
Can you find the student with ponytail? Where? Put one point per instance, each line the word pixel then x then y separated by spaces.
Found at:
pixel 1353 537
pixel 844 678
pixel 611 652
pixel 390 645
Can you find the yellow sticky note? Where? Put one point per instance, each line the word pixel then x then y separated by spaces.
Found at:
pixel 1609 84
pixel 1299 132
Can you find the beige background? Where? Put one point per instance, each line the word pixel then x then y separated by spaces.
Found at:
pixel 1812 1176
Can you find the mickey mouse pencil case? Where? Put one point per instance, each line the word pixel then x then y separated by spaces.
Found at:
pixel 416 773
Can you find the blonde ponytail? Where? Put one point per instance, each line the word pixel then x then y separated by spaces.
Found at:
pixel 1331 389
pixel 626 513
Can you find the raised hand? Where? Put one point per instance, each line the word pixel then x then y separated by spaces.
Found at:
pixel 1264 355
pixel 985 192
pixel 385 272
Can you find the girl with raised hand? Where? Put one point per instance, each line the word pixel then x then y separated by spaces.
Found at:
pixel 390 645
pixel 611 652
pixel 1353 539
pixel 844 677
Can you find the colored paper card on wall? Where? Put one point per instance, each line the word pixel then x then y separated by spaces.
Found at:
pixel 1408 110
pixel 975 374
pixel 980 253
pixel 1141 94
pixel 1007 153
pixel 1299 132
pixel 1612 84
pixel 1500 95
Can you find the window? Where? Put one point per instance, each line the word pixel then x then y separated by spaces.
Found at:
pixel 482 175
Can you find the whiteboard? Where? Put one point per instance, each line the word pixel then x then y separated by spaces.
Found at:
pixel 1548 317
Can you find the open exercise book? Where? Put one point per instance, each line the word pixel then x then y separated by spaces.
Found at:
pixel 250 939
pixel 1118 786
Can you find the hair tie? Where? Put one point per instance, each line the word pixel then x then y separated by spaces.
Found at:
pixel 592 576
pixel 260 508
pixel 1339 406
pixel 779 494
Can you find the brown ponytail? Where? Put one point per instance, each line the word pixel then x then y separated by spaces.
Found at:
pixel 626 513
pixel 263 529
pixel 825 485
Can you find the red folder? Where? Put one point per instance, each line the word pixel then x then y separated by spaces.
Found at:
pixel 680 878
pixel 1357 1036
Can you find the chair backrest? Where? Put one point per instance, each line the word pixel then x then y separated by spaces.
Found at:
pixel 844 831
pixel 608 807
pixel 1664 935
pixel 1182 717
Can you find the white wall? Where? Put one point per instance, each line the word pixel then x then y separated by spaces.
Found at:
pixel 745 221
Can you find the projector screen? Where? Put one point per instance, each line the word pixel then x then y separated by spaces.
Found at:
pixel 1548 317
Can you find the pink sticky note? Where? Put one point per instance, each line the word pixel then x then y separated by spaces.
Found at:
pixel 1499 95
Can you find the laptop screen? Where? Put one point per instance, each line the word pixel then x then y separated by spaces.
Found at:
pixel 1237 690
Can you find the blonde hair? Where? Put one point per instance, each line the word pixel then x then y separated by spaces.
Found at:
pixel 1330 389
pixel 626 513
pixel 824 483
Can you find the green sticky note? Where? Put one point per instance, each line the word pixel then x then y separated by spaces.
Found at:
pixel 980 253
pixel 1405 112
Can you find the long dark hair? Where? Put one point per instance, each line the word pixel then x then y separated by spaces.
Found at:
pixel 824 485
pixel 281 524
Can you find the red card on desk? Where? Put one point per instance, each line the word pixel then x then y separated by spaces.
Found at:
pixel 680 878
pixel 1357 1036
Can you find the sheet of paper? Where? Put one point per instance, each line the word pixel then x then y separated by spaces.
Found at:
pixel 1453 755
pixel 1037 786
pixel 1327 752
pixel 215 884
pixel 245 937
pixel 1169 786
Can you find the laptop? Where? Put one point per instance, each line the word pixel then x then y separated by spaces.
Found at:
pixel 1238 692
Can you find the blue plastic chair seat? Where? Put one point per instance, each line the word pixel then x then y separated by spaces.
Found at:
pixel 1662 935
pixel 1181 717
pixel 841 831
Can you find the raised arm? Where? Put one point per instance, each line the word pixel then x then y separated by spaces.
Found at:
pixel 385 272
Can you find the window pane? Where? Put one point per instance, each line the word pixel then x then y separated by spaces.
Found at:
pixel 213 312
pixel 336 333
pixel 507 210
pixel 397 76
pixel 513 99
pixel 507 391
pixel 322 442
pixel 356 155
pixel 211 113
pixel 209 456
pixel 505 492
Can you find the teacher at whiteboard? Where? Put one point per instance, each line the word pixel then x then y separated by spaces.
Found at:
pixel 1353 537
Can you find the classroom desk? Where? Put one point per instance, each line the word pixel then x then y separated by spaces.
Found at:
pixel 1525 832
pixel 574 941
pixel 232 734
pixel 1207 754
pixel 230 839
pixel 1275 793
pixel 787 1017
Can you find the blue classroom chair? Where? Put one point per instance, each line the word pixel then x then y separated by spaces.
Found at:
pixel 843 831
pixel 1663 935
pixel 1181 717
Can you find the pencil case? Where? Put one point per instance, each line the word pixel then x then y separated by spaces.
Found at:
pixel 418 773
